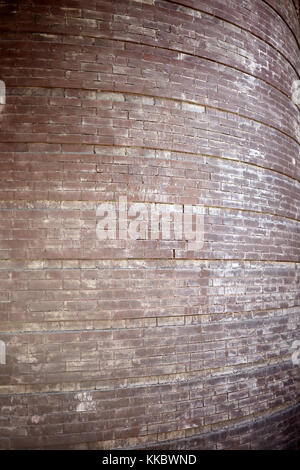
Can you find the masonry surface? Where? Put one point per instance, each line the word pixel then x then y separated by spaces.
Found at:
pixel 144 343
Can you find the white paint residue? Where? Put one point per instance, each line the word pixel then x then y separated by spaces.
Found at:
pixel 296 92
pixel 297 130
pixel 2 352
pixel 35 419
pixel 86 402
pixel 2 92
pixel 256 153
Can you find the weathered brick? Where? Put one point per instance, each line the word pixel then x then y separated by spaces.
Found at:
pixel 131 343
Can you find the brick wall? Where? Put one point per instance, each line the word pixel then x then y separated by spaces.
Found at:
pixel 147 343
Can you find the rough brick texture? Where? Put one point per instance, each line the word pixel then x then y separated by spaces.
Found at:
pixel 147 343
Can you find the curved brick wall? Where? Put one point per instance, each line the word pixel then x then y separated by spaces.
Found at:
pixel 146 343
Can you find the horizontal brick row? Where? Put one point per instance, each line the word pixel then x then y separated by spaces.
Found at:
pixel 278 431
pixel 183 178
pixel 216 36
pixel 212 287
pixel 51 229
pixel 136 68
pixel 205 316
pixel 113 418
pixel 286 10
pixel 252 16
pixel 139 120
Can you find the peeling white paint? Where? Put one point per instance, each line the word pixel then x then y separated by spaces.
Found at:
pixel 35 419
pixel 256 153
pixel 252 63
pixel 296 92
pixel 252 66
pixel 86 402
pixel 296 127
pixel 248 84
pixel 197 14
pixel 2 353
pixel 2 92
pixel 196 108
pixel 110 96
pixel 147 2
